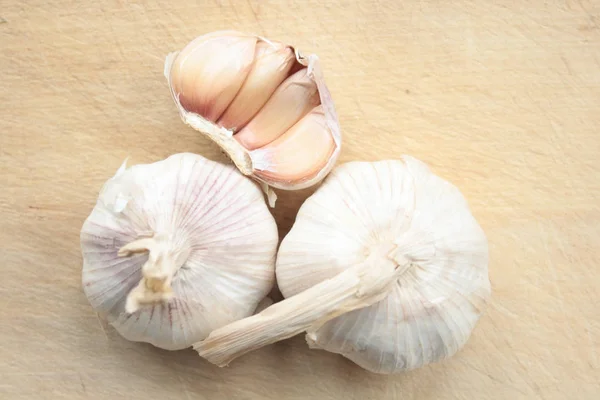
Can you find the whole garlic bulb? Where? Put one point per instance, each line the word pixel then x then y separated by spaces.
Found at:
pixel 263 102
pixel 177 248
pixel 385 265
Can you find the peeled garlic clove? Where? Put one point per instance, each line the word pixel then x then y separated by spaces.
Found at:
pixel 384 265
pixel 272 63
pixel 298 154
pixel 298 90
pixel 290 102
pixel 209 72
pixel 177 248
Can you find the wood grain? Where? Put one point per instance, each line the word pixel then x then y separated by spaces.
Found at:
pixel 503 100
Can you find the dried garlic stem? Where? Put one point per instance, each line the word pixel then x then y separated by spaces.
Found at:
pixel 359 286
pixel 164 259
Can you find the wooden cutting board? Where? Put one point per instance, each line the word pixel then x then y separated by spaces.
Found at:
pixel 503 100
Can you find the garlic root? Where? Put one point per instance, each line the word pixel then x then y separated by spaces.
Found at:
pixel 224 139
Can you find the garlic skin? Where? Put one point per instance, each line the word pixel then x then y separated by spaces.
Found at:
pixel 385 265
pixel 271 91
pixel 211 241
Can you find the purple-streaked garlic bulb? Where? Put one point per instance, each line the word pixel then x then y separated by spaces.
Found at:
pixel 177 248
pixel 262 101
pixel 384 265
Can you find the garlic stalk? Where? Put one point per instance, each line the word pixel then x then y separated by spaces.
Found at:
pixel 249 94
pixel 177 248
pixel 384 265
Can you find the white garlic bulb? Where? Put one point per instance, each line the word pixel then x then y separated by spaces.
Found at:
pixel 385 265
pixel 263 102
pixel 177 248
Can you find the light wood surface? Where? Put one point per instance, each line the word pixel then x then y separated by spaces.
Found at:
pixel 503 100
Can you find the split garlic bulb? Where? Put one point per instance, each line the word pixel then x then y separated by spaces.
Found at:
pixel 384 265
pixel 177 248
pixel 263 102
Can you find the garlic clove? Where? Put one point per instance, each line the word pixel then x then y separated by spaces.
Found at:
pixel 272 63
pixel 274 119
pixel 299 153
pixel 293 99
pixel 192 249
pixel 385 265
pixel 209 72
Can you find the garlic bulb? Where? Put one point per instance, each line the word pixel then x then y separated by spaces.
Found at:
pixel 384 265
pixel 177 248
pixel 263 102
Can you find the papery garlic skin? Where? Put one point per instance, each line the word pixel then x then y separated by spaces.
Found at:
pixel 436 302
pixel 242 129
pixel 213 219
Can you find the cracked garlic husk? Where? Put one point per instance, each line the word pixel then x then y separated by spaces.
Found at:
pixel 177 248
pixel 384 265
pixel 263 102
